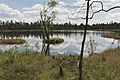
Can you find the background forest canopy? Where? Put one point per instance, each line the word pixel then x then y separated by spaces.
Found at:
pixel 14 25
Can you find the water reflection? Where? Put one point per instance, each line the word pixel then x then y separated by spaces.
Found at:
pixel 71 44
pixel 45 49
pixel 38 34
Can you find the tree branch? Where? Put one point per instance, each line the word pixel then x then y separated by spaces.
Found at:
pixel 103 11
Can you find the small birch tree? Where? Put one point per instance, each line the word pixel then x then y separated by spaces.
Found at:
pixel 47 16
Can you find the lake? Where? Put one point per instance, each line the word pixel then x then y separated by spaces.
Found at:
pixel 71 45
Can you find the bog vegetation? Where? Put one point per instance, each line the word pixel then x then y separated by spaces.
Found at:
pixel 11 41
pixel 35 66
pixel 54 41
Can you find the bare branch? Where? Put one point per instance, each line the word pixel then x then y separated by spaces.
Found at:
pixel 103 11
pixel 77 7
pixel 74 6
pixel 90 6
pixel 96 2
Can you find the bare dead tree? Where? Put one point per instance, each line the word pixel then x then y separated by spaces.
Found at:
pixel 102 8
pixel 85 29
pixel 83 43
pixel 90 6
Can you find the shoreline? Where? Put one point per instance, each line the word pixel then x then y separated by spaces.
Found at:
pixel 110 35
pixel 60 30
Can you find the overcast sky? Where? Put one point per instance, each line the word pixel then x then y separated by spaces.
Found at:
pixel 28 10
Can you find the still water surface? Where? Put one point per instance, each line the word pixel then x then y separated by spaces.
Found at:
pixel 71 45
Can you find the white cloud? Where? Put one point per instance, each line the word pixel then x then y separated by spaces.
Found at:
pixel 15 13
pixel 114 15
pixel 5 8
pixel 62 3
pixel 32 13
pixel 6 11
pixel 79 2
pixel 61 11
pixel 35 7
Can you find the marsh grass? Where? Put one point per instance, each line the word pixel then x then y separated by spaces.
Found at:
pixel 111 35
pixel 34 66
pixel 54 41
pixel 104 66
pixel 12 41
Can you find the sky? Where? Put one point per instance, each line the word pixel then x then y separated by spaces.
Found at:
pixel 28 11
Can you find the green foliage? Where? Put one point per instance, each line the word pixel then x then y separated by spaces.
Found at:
pixel 47 16
pixel 52 3
pixel 15 25
pixel 103 66
pixel 12 41
pixel 91 45
pixel 54 41
pixel 33 66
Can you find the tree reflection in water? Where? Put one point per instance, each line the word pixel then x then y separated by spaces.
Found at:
pixel 45 49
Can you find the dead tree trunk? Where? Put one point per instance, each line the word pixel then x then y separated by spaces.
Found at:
pixel 83 42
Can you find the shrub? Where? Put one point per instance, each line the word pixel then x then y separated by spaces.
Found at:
pixel 54 41
pixel 12 41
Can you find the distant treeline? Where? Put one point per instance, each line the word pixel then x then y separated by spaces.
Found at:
pixel 10 25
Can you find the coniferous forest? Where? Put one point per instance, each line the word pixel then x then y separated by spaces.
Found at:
pixel 14 25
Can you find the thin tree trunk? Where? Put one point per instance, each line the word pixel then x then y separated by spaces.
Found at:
pixel 46 32
pixel 83 42
pixel 43 35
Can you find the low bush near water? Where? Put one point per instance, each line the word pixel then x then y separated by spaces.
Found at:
pixel 111 35
pixel 54 41
pixel 12 41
